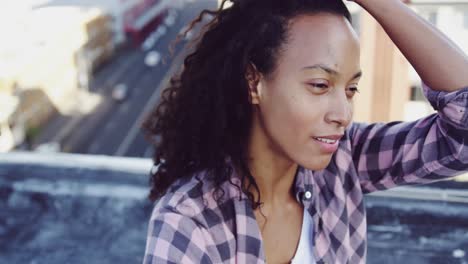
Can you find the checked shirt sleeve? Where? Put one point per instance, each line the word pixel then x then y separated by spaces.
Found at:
pixel 175 238
pixel 423 151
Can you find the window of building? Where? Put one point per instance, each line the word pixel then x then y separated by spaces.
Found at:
pixel 356 18
pixel 465 19
pixel 417 93
pixel 433 17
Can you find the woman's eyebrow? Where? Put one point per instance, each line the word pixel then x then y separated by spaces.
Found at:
pixel 330 70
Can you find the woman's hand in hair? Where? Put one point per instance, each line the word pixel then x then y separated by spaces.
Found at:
pixel 438 61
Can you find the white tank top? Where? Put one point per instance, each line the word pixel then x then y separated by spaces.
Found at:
pixel 304 253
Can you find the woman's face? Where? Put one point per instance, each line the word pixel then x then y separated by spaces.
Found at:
pixel 309 95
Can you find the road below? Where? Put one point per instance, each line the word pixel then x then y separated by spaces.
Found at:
pixel 113 128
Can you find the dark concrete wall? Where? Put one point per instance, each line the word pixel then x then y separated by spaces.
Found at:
pixel 93 209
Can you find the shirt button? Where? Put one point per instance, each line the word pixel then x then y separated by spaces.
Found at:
pixel 308 195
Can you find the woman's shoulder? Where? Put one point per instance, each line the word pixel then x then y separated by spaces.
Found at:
pixel 185 195
pixel 194 195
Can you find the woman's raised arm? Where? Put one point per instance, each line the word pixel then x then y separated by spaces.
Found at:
pixel 438 61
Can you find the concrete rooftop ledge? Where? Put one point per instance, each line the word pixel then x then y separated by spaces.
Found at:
pixel 27 168
pixel 77 161
pixel 69 208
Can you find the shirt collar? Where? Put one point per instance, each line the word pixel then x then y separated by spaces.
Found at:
pixel 303 185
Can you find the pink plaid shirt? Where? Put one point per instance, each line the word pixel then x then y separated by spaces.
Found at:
pixel 188 226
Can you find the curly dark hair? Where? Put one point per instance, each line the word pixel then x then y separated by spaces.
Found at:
pixel 205 114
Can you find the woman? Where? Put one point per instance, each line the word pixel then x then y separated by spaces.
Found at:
pixel 258 158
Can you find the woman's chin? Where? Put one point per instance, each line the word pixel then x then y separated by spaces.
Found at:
pixel 316 164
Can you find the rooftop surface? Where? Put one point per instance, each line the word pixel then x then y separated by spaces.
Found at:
pixel 69 208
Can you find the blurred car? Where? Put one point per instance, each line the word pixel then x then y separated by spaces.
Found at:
pixel 49 147
pixel 171 17
pixel 120 92
pixel 152 58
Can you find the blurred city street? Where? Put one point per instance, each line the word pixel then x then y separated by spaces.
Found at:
pixel 113 128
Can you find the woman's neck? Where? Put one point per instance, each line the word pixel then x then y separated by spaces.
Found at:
pixel 273 180
pixel 273 172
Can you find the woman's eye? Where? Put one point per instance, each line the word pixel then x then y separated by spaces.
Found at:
pixel 319 85
pixel 353 90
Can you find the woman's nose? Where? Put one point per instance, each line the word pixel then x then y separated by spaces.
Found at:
pixel 340 111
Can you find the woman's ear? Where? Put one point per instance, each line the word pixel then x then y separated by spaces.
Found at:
pixel 253 76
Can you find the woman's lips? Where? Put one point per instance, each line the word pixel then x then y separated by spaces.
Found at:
pixel 328 144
